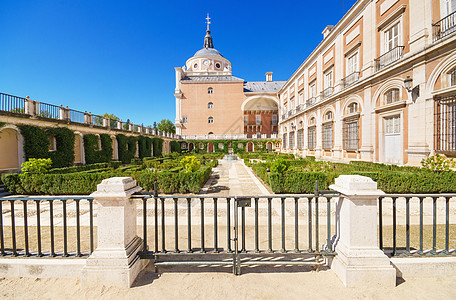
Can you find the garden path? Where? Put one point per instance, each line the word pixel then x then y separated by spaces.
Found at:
pixel 234 178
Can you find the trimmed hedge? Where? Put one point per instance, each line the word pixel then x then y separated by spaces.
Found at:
pixel 127 147
pixel 86 182
pixel 92 153
pixel 158 146
pixel 36 144
pixel 145 146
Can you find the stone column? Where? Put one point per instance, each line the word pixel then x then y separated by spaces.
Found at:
pixel 359 262
pixel 115 261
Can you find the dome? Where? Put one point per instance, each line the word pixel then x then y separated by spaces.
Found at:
pixel 208 51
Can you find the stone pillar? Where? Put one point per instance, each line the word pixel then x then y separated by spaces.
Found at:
pixel 130 127
pixel 106 122
pixel 115 261
pixel 359 262
pixel 119 125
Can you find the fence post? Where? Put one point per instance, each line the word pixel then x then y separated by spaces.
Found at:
pixel 115 261
pixel 359 260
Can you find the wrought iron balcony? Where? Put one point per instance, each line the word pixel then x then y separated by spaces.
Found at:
pixel 300 108
pixel 327 92
pixel 284 116
pixel 351 79
pixel 310 101
pixel 388 58
pixel 444 27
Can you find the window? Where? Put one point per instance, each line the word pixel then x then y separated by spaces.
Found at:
pixel 210 90
pixel 284 141
pixel 312 90
pixel 328 116
pixel 184 119
pixel 391 96
pixel 217 65
pixel 240 145
pixel 311 138
pixel 300 138
pixel 292 103
pixel 350 138
pixel 210 105
pixel 195 66
pixel 258 119
pixel 447 7
pixel 201 145
pixel 328 136
pixel 392 37
pixel 392 125
pixel 274 119
pixel 52 143
pixel 210 120
pixel 452 77
pixel 258 135
pixel 301 98
pixel 445 120
pixel 246 119
pixel 220 145
pixel 291 139
pixel 328 79
pixel 352 64
pixel 352 108
pixel 210 132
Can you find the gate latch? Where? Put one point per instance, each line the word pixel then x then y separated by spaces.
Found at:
pixel 244 202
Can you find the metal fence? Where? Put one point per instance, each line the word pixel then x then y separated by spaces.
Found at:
pixel 243 236
pixel 389 57
pixel 23 235
pixel 49 111
pixel 12 103
pixel 444 27
pixel 415 234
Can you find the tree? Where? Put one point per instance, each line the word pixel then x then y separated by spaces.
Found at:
pixel 167 126
pixel 126 125
pixel 98 120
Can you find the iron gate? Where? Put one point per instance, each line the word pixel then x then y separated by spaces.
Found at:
pixel 243 244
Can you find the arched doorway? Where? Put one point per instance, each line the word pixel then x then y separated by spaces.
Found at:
pixel 269 146
pixel 190 147
pixel 210 147
pixel 78 149
pixel 249 147
pixel 11 150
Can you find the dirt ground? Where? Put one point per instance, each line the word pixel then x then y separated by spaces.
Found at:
pixel 213 283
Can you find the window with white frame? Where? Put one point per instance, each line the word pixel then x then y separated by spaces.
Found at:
pixel 312 90
pixel 350 134
pixel 301 98
pixel 210 105
pixel 274 120
pixel 184 119
pixel 328 116
pixel 452 75
pixel 292 103
pixel 328 79
pixel 291 140
pixel 352 108
pixel 391 96
pixel 258 119
pixel 210 120
pixel 210 90
pixel 353 63
pixel 284 141
pixel 447 7
pixel 311 138
pixel 392 38
pixel 246 119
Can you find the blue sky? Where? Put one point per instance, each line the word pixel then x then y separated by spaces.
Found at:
pixel 119 56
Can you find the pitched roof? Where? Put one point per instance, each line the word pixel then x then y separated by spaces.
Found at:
pixel 263 86
pixel 211 78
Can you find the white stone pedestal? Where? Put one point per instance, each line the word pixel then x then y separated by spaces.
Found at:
pixel 115 261
pixel 359 261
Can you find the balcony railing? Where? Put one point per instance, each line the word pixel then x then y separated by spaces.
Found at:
pixel 389 57
pixel 300 108
pixel 27 106
pixel 291 112
pixel 351 79
pixel 444 27
pixel 284 116
pixel 310 101
pixel 327 92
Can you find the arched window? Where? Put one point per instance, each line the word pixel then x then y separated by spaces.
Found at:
pixel 329 116
pixel 311 134
pixel 210 90
pixel 210 120
pixel 211 132
pixel 312 121
pixel 352 108
pixel 452 74
pixel 258 134
pixel 391 96
pixel 210 105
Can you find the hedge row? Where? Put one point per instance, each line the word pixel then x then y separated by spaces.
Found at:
pixel 388 181
pixel 112 164
pixel 86 182
pixel 91 148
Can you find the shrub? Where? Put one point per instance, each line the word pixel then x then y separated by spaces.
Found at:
pixel 144 146
pixel 37 165
pixel 190 163
pixel 438 163
pixel 280 165
pixel 158 146
pixel 92 152
pixel 77 168
pixel 126 147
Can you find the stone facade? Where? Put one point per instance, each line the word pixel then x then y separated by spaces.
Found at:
pixel 380 86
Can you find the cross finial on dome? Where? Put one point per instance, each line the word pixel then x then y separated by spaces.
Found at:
pixel 208 21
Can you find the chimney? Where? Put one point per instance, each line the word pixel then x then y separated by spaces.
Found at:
pixel 268 76
pixel 327 30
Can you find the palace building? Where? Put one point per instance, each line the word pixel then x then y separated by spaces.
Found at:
pixel 381 86
pixel 211 103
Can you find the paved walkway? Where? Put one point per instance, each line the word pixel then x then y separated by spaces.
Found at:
pixel 234 178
